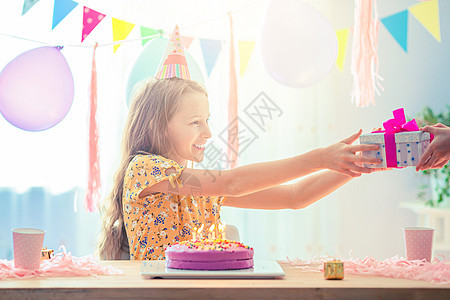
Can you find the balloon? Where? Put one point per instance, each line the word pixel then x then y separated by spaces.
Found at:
pixel 147 64
pixel 298 45
pixel 36 89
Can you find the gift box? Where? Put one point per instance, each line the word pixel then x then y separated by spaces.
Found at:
pixel 401 144
pixel 46 253
pixel 333 269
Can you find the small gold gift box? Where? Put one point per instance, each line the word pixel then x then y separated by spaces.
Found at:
pixel 333 269
pixel 46 253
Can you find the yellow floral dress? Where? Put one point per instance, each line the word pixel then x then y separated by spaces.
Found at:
pixel 159 220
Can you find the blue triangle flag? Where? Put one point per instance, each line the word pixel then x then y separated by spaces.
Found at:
pixel 210 50
pixel 397 25
pixel 61 9
pixel 27 4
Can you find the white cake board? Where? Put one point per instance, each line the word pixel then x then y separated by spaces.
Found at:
pixel 151 269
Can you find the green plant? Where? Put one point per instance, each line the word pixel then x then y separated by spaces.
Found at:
pixel 439 177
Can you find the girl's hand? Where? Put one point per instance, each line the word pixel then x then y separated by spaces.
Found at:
pixel 343 158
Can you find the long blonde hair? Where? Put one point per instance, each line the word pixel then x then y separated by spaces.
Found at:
pixel 146 129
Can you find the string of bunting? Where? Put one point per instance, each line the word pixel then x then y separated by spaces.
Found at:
pixel 426 12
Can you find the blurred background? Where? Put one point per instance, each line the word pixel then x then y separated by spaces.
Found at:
pixel 43 175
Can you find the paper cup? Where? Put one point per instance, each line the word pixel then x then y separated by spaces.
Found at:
pixel 418 243
pixel 27 244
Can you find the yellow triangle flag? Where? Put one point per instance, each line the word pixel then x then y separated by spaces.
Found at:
pixel 121 30
pixel 245 51
pixel 342 37
pixel 427 13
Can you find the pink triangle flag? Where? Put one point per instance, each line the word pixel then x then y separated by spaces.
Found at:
pixel 186 40
pixel 91 18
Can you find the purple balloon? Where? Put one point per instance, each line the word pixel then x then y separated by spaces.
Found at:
pixel 36 89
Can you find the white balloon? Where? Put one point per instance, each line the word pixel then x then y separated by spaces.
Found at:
pixel 297 43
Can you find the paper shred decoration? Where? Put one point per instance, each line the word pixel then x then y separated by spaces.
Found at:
pixel 233 131
pixel 61 9
pixel 150 32
pixel 59 265
pixel 245 52
pixel 27 4
pixel 91 19
pixel 397 25
pixel 173 62
pixel 210 50
pixel 93 188
pixel 437 272
pixel 121 30
pixel 342 37
pixel 364 66
pixel 427 13
pixel 186 41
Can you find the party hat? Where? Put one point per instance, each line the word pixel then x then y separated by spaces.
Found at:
pixel 173 62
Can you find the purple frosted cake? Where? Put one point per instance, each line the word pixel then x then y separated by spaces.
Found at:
pixel 209 254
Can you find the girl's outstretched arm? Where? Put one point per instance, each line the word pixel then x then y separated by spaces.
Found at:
pixel 292 196
pixel 341 157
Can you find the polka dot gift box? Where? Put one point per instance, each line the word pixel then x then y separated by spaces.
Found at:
pixel 27 244
pixel 401 144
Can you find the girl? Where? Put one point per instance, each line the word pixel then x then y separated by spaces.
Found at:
pixel 156 200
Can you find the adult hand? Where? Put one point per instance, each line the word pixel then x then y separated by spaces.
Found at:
pixel 437 154
pixel 343 158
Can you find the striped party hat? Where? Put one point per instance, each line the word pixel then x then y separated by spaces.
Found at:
pixel 173 62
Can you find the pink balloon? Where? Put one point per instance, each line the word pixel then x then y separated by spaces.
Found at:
pixel 36 89
pixel 298 45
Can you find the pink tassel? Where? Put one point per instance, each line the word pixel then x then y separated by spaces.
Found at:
pixel 93 190
pixel 364 68
pixel 233 137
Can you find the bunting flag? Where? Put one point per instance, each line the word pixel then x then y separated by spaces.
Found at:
pixel 397 25
pixel 427 13
pixel 91 18
pixel 93 188
pixel 210 50
pixel 27 4
pixel 121 30
pixel 186 41
pixel 342 37
pixel 150 32
pixel 245 51
pixel 233 131
pixel 61 9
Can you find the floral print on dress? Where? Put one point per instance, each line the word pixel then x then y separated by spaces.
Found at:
pixel 159 220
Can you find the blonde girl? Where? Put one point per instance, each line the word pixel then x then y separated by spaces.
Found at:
pixel 156 200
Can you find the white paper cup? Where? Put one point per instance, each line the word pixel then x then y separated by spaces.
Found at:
pixel 27 244
pixel 418 243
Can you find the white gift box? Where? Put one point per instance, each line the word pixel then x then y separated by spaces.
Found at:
pixel 409 147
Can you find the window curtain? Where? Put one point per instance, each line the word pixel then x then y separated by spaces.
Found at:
pixel 62 216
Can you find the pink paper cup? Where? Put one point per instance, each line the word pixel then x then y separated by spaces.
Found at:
pixel 418 243
pixel 27 244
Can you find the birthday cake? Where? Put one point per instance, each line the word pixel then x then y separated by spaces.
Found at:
pixel 209 254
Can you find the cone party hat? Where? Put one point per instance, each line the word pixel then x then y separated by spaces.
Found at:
pixel 173 62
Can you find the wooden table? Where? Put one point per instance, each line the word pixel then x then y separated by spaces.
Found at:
pixel 295 285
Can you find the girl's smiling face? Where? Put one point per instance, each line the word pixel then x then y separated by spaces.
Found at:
pixel 189 129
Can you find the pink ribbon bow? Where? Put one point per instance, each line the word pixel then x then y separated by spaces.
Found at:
pixel 399 124
pixel 391 127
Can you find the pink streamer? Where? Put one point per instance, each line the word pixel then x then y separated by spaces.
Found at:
pixel 437 272
pixel 233 131
pixel 93 188
pixel 364 67
pixel 62 265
